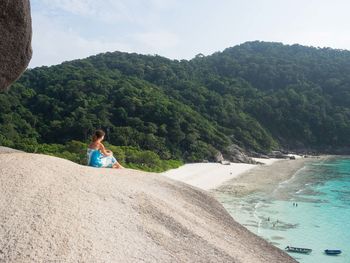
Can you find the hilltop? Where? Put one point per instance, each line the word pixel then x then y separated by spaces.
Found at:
pixel 259 95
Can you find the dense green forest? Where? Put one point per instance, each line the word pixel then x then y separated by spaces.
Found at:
pixel 258 95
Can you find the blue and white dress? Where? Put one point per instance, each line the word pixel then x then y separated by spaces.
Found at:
pixel 96 159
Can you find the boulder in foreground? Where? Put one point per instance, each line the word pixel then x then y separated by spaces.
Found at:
pixel 54 210
pixel 15 40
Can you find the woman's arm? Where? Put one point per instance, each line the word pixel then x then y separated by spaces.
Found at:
pixel 104 151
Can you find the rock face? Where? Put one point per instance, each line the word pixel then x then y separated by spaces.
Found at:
pixel 236 154
pixel 53 210
pixel 278 155
pixel 219 158
pixel 15 40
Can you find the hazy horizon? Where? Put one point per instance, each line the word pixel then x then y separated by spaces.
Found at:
pixel 65 30
pixel 188 59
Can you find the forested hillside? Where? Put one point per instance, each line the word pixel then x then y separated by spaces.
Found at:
pixel 260 96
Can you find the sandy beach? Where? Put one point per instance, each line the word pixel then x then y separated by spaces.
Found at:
pixel 263 178
pixel 209 176
pixel 238 179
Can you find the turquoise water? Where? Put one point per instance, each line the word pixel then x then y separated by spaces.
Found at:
pixel 321 219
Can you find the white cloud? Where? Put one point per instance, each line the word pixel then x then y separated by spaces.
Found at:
pixel 107 10
pixel 335 39
pixel 163 4
pixel 53 44
pixel 158 40
pixel 69 29
pixel 79 7
pixel 59 32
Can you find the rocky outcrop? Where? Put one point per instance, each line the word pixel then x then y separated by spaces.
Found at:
pixel 236 154
pixel 258 155
pixel 219 157
pixel 53 210
pixel 15 40
pixel 278 155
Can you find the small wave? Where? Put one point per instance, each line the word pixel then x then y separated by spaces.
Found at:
pixel 255 214
pixel 285 183
pixel 323 164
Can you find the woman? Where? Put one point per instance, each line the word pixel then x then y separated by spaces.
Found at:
pixel 97 154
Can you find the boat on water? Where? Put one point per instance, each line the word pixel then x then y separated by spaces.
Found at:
pixel 298 250
pixel 332 251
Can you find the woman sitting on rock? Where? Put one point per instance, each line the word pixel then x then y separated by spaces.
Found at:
pixel 97 154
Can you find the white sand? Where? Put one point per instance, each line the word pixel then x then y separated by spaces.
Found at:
pixel 211 175
pixel 53 210
pixel 263 178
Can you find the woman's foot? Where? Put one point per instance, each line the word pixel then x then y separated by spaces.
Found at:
pixel 118 166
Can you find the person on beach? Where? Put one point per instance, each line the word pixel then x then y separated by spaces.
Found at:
pixel 98 156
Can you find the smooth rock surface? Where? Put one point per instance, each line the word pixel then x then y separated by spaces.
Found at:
pixel 236 154
pixel 15 40
pixel 53 210
pixel 8 150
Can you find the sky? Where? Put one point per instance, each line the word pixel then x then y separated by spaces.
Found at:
pixel 180 29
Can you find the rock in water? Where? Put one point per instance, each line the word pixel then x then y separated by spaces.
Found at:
pixel 15 40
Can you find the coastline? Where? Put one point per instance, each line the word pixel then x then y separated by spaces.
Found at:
pixel 240 179
pixel 263 178
pixel 208 176
pixel 212 176
pixel 293 203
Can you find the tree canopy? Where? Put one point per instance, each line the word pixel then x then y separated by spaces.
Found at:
pixel 258 95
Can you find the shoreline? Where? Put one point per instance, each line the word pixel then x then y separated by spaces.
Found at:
pixel 208 176
pixel 265 178
pixel 275 211
pixel 239 179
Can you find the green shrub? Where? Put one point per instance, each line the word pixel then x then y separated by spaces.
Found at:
pixel 75 151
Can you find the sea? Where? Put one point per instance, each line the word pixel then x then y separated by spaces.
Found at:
pixel 310 210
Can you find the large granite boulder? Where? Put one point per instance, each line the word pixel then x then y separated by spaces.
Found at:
pixel 236 154
pixel 219 157
pixel 8 150
pixel 15 40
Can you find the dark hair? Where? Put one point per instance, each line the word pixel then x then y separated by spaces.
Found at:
pixel 97 135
